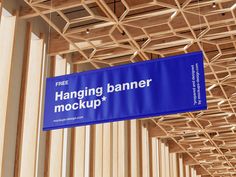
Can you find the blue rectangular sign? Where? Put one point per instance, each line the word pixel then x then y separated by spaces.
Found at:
pixel 150 88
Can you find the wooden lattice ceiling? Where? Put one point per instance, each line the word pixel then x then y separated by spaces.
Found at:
pixel 103 33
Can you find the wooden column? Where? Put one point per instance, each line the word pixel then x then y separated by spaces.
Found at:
pixel 66 135
pixel 98 153
pixel 7 33
pixel 107 150
pixel 134 148
pixel 31 108
pixel 145 151
pixel 181 165
pixel 155 157
pixel 115 149
pixel 122 149
pixel 56 143
pixel 79 151
pixel 173 165
pixel 167 159
pixel 41 135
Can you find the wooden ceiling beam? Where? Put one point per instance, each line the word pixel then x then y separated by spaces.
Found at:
pixel 28 12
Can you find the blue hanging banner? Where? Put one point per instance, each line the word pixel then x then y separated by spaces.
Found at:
pixel 151 88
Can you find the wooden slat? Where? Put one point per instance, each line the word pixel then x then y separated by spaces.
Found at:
pixel 56 143
pixel 29 135
pixel 167 160
pixel 66 136
pixel 27 12
pixel 155 158
pixel 173 165
pixel 107 150
pixel 145 151
pixel 98 154
pixel 51 73
pixel 187 171
pixel 41 136
pixel 122 149
pixel 115 149
pixel 7 34
pixel 88 146
pixel 162 159
pixel 181 168
pixel 134 149
pixel 79 152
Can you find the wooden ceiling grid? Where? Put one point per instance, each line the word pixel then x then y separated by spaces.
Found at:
pixel 103 33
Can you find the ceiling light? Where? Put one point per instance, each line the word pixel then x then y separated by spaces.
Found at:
pixel 221 102
pixel 186 47
pixel 233 6
pixel 211 87
pixel 173 15
pixel 136 52
pixel 87 31
pixel 230 114
pixel 214 5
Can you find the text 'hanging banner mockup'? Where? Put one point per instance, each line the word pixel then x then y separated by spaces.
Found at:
pixel 151 88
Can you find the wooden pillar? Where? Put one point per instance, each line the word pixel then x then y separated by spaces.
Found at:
pixel 122 149
pixel 115 149
pixel 145 151
pixel 173 165
pixel 181 165
pixel 7 34
pixel 56 139
pixel 66 135
pixel 79 151
pixel 31 108
pixel 41 135
pixel 107 150
pixel 167 159
pixel 134 149
pixel 187 171
pixel 98 153
pixel 155 157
